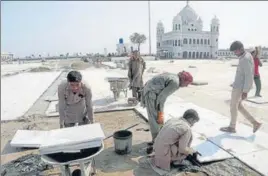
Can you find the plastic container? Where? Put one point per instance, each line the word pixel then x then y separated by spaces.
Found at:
pixel 122 142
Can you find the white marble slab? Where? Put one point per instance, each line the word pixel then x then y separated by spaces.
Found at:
pixel 257 160
pixel 73 135
pixel 258 100
pixel 210 152
pixel 70 148
pixel 28 138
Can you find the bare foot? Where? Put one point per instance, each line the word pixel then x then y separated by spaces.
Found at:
pixel 256 127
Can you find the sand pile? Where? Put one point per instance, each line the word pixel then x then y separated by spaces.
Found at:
pixel 40 69
pixel 80 65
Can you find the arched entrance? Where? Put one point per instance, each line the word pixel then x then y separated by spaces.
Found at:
pixel 197 55
pixel 189 55
pixel 184 55
pixel 193 55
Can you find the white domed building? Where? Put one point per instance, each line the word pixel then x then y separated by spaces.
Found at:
pixel 187 38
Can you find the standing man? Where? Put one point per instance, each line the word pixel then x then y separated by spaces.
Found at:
pixel 257 77
pixel 173 143
pixel 135 73
pixel 75 101
pixel 155 93
pixel 241 86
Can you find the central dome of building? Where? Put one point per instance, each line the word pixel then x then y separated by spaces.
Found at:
pixel 187 13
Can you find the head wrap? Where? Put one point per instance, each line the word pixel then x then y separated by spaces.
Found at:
pixel 186 77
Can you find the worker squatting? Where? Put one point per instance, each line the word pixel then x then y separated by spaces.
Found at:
pixel 171 141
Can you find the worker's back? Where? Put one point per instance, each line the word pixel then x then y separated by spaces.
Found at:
pixel 159 82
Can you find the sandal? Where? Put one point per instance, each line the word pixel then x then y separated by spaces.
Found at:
pixel 228 129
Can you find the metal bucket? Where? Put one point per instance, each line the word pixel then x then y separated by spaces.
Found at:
pixel 122 142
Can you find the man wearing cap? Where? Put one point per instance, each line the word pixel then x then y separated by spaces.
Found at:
pixel 75 101
pixel 173 143
pixel 242 84
pixel 135 72
pixel 155 93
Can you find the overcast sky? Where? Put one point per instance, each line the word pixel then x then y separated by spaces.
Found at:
pixel 89 26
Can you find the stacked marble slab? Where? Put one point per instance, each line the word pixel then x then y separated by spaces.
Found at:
pixel 61 140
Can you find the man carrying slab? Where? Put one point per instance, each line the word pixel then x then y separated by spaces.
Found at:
pixel 75 101
pixel 155 93
pixel 242 84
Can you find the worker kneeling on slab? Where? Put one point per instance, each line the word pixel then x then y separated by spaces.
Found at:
pixel 75 101
pixel 172 145
pixel 155 93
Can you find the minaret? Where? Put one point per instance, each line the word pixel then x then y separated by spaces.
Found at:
pixel 159 32
pixel 214 39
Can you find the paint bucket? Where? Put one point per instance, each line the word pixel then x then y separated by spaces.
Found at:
pixel 122 142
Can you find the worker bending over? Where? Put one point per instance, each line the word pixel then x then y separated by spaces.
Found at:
pixel 155 93
pixel 172 145
pixel 75 101
pixel 135 73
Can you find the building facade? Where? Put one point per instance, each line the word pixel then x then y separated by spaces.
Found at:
pixel 6 57
pixel 187 38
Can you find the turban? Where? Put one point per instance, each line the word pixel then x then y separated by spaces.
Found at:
pixel 186 77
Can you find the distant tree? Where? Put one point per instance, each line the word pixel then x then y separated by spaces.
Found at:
pixel 138 39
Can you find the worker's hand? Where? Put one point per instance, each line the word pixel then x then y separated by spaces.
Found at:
pixel 191 151
pixel 160 118
pixel 244 95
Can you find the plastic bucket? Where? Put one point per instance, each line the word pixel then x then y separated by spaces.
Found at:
pixel 122 142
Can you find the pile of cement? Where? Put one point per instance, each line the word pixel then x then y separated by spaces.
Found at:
pixel 40 69
pixel 27 165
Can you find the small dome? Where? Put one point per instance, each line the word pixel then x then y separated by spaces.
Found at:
pixel 177 18
pixel 215 20
pixel 199 20
pixel 160 24
pixel 187 13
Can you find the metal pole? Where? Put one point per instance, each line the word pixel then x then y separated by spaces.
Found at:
pixel 149 15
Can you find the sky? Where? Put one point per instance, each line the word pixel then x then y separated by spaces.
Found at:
pixel 58 27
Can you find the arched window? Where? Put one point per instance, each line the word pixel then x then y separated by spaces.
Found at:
pixel 205 41
pixel 176 26
pixel 189 29
pixel 193 54
pixel 217 28
pixel 197 55
pixel 197 41
pixel 176 42
pixel 179 27
pixel 194 41
pixel 208 42
pixel 192 29
pixel 201 42
pixel 200 55
pixel 190 41
pixel 179 42
pixel 185 41
pixel 189 55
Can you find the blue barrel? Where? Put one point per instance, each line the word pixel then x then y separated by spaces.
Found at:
pixel 121 41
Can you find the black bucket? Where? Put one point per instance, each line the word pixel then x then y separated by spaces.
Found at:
pixel 122 142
